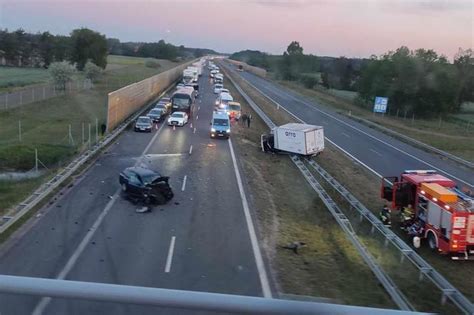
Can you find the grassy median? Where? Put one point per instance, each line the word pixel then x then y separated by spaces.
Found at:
pixel 364 186
pixel 288 210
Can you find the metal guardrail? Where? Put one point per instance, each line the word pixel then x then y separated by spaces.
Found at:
pixel 426 270
pixel 397 296
pixel 45 189
pixel 447 289
pixel 191 300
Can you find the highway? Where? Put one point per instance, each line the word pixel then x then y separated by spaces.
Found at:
pixel 199 241
pixel 380 153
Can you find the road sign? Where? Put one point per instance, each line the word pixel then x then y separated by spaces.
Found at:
pixel 380 104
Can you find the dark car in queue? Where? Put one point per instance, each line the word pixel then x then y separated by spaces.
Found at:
pixel 143 123
pixel 145 185
pixel 156 115
pixel 165 102
pixel 165 109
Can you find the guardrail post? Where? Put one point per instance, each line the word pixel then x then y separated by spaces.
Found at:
pixel 19 130
pixel 36 160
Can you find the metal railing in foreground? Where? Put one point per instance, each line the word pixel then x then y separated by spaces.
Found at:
pixel 191 300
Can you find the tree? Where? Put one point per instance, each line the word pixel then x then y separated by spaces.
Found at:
pixel 88 45
pixel 46 44
pixel 61 73
pixel 294 49
pixel 92 72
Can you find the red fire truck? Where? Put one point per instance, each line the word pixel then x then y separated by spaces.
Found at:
pixel 445 213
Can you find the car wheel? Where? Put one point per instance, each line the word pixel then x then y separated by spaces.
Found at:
pixel 432 241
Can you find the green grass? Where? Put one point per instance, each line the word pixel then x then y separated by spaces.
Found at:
pixel 15 77
pixel 13 192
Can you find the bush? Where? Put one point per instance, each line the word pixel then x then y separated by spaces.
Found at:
pixel 150 63
pixel 92 71
pixel 309 82
pixel 61 73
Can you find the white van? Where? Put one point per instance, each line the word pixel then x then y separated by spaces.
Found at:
pixel 222 102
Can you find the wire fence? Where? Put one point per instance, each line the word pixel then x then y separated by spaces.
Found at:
pixel 39 93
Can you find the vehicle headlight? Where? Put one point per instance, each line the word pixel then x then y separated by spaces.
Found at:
pixel 213 130
pixel 228 130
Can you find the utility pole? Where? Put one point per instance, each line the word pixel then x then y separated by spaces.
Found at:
pixel 36 160
pixel 96 130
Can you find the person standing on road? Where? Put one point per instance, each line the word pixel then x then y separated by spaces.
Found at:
pixel 244 119
pixel 249 119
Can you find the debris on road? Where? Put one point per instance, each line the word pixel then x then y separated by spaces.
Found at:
pixel 143 209
pixel 294 246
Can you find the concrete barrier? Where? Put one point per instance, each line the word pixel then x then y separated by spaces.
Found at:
pixel 255 70
pixel 123 102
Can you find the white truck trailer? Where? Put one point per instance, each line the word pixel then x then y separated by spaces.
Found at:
pixel 195 71
pixel 294 138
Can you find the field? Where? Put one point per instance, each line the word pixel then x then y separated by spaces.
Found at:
pixel 13 77
pixel 45 125
pixel 332 256
pixel 453 136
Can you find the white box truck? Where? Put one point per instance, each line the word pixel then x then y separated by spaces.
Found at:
pixel 188 76
pixel 195 71
pixel 294 138
pixel 198 65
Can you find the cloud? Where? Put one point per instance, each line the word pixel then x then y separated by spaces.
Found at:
pixel 426 6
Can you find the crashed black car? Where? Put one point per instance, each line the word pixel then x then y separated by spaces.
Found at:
pixel 145 185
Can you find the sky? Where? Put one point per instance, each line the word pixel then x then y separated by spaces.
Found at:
pixel 352 28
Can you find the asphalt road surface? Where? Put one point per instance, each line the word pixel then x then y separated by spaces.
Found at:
pixel 199 241
pixel 382 154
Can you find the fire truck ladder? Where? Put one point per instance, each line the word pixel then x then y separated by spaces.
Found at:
pixel 397 296
pixel 426 270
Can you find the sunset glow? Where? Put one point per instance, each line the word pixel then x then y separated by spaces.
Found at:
pixel 334 28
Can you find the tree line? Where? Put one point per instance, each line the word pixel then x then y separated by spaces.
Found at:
pixel 22 49
pixel 18 48
pixel 420 82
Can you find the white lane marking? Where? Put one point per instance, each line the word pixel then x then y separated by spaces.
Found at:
pixel 253 236
pixel 355 128
pixel 194 131
pixel 199 107
pixel 44 302
pixel 169 259
pixel 162 155
pixel 372 150
pixel 183 187
pixel 197 117
pixel 345 134
pixel 190 149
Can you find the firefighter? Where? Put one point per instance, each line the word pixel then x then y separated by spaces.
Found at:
pixel 416 229
pixel 385 215
pixel 407 215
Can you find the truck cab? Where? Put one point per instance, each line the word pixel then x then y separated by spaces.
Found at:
pixel 445 212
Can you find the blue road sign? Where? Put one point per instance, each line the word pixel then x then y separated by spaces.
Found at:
pixel 380 104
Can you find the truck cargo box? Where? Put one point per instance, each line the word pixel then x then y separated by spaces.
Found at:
pixel 295 138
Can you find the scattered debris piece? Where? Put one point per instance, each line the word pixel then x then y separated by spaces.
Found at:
pixel 294 246
pixel 143 209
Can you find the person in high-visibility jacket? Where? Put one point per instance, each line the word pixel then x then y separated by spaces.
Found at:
pixel 385 216
pixel 407 216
